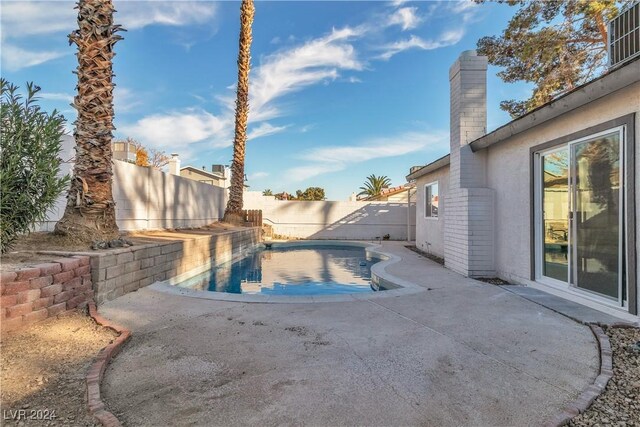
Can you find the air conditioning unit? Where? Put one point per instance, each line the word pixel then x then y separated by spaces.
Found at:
pixel 624 36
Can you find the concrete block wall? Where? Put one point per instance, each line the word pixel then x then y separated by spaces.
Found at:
pixel 149 199
pixel 339 220
pixel 45 290
pixel 121 271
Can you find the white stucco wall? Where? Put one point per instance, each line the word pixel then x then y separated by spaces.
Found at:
pixel 509 174
pixel 334 219
pixel 430 231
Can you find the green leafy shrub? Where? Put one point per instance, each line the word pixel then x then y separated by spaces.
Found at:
pixel 30 145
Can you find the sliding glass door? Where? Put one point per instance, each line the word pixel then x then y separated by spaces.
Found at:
pixel 596 215
pixel 580 222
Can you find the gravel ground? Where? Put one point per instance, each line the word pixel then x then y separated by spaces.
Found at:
pixel 619 405
pixel 33 378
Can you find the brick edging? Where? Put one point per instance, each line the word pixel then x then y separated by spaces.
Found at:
pixel 588 395
pixel 98 367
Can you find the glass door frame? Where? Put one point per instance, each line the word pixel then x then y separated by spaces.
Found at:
pixel 538 186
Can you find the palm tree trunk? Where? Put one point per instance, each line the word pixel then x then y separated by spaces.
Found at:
pixel 234 205
pixel 90 210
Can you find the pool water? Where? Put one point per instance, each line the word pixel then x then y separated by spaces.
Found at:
pixel 302 270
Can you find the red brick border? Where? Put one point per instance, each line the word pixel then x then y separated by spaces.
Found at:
pixel 98 367
pixel 586 398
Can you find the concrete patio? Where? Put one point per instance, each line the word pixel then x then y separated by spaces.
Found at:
pixel 460 352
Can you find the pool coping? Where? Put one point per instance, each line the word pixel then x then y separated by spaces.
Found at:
pixel 378 275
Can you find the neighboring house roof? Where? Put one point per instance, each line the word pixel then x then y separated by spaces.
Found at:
pixel 604 85
pixel 388 192
pixel 204 172
pixel 433 166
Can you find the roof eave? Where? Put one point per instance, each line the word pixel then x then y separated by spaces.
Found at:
pixel 609 83
pixel 431 167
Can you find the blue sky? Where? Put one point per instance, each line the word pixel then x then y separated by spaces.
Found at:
pixel 339 90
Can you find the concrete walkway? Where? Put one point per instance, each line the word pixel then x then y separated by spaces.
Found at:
pixel 461 353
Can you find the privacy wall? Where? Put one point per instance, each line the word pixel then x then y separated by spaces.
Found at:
pixel 151 199
pixel 334 219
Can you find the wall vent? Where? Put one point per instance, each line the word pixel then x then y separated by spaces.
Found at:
pixel 624 36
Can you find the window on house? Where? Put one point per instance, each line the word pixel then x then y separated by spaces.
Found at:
pixel 431 198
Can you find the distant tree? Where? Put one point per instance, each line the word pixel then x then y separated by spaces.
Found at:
pixel 147 157
pixel 374 185
pixel 267 192
pixel 311 193
pixel 142 156
pixel 556 45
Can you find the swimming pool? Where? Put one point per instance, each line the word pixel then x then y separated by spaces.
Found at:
pixel 292 270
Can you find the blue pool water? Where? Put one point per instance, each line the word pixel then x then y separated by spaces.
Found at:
pixel 302 270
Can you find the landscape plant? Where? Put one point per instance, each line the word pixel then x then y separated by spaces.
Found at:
pixel 234 205
pixel 30 146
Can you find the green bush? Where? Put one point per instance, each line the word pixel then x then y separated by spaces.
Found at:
pixel 30 145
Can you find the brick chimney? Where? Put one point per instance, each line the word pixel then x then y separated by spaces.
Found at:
pixel 468 205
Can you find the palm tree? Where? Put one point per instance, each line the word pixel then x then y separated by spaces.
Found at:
pixel 90 210
pixel 374 185
pixel 267 192
pixel 234 205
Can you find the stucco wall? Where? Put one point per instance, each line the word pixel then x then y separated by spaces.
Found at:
pixel 430 231
pixel 334 219
pixel 509 168
pixel 151 199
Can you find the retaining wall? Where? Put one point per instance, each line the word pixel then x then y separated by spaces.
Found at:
pixel 45 290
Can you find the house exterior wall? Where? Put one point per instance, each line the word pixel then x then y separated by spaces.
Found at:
pixel 430 232
pixel 206 179
pixel 508 173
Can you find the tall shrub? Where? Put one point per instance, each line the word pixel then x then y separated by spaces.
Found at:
pixel 30 145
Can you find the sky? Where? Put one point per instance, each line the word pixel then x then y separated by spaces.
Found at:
pixel 339 90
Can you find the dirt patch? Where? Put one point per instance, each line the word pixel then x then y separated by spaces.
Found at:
pixel 494 281
pixel 619 404
pixel 426 255
pixel 43 371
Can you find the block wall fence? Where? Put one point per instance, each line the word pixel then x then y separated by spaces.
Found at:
pixel 149 199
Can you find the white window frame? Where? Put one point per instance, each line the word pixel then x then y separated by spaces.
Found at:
pixel 434 218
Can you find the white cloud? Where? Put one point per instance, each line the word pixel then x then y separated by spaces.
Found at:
pixel 176 130
pixel 257 175
pixel 414 42
pixel 291 70
pixel 15 58
pixel 405 17
pixel 264 129
pixel 51 96
pixel 335 158
pixel 125 100
pixel 139 14
pixel 26 19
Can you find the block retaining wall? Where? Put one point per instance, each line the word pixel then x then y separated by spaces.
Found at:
pixel 32 294
pixel 125 270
